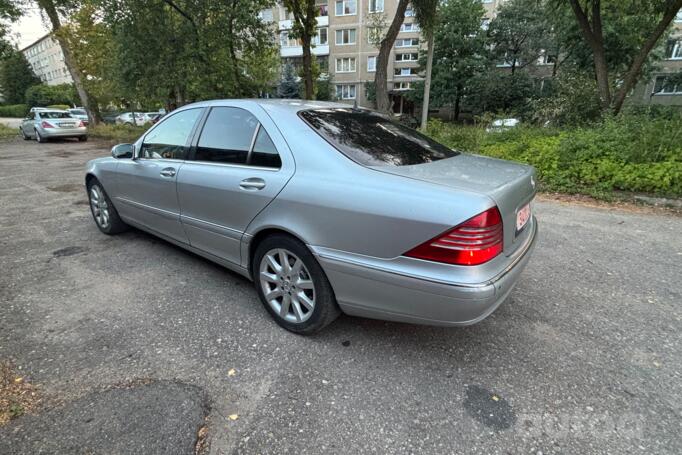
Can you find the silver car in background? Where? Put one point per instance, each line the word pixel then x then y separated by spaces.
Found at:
pixel 45 124
pixel 327 208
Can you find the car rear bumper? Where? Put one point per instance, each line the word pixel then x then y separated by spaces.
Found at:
pixel 379 294
pixel 64 132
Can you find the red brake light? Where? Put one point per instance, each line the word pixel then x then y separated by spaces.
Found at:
pixel 45 124
pixel 477 240
pixel 82 124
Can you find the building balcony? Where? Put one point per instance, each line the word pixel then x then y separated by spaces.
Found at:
pixel 297 51
pixel 322 21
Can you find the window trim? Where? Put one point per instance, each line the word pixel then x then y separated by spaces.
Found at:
pixel 349 43
pixel 352 60
pixel 355 90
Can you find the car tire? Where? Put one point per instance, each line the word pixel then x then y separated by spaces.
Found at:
pixel 82 138
pixel 24 135
pixel 310 285
pixel 103 211
pixel 40 138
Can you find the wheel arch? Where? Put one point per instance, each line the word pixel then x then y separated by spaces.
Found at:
pixel 261 235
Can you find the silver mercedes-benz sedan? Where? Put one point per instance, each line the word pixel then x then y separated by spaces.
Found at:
pixel 327 208
pixel 44 124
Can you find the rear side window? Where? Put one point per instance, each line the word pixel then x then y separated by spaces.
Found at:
pixel 226 136
pixel 374 140
pixel 234 136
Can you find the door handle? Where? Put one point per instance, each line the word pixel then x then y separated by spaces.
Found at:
pixel 168 172
pixel 251 184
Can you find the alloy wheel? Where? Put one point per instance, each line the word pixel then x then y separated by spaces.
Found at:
pixel 100 208
pixel 287 285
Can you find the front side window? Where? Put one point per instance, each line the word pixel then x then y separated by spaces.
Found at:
pixel 372 139
pixel 346 7
pixel 345 36
pixel 170 138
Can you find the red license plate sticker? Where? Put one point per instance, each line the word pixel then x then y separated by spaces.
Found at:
pixel 522 217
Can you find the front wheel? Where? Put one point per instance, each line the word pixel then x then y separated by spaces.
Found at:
pixel 24 135
pixel 103 211
pixel 292 286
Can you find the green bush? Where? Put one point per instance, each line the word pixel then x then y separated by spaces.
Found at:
pixel 62 107
pixel 14 110
pixel 117 133
pixel 45 95
pixel 632 152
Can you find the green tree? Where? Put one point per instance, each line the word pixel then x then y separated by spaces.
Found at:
pixel 500 92
pixel 16 76
pixel 385 47
pixel 304 27
pixel 288 86
pixel 9 12
pixel 459 52
pixel 520 33
pixel 639 23
pixel 46 95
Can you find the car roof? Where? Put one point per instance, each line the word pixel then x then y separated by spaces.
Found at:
pixel 42 111
pixel 291 105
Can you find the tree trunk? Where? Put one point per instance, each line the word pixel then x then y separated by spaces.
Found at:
pixel 51 11
pixel 381 78
pixel 233 53
pixel 635 69
pixel 308 81
pixel 427 81
pixel 458 103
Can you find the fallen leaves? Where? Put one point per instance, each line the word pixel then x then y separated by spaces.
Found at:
pixel 233 417
pixel 17 396
pixel 232 372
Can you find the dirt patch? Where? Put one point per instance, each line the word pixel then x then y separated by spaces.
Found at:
pixel 624 205
pixel 69 251
pixel 81 202
pixel 61 153
pixel 17 396
pixel 66 188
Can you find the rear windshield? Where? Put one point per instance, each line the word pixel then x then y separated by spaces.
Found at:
pixel 55 115
pixel 372 139
pixel 78 112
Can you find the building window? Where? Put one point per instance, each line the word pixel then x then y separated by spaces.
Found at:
pixel 323 10
pixel 405 72
pixel 345 36
pixel 345 65
pixel 408 42
pixel 411 27
pixel 409 12
pixel 411 57
pixel 402 85
pixel 663 86
pixel 376 6
pixel 346 7
pixel 266 15
pixel 678 18
pixel 345 91
pixel 321 38
pixel 485 23
pixel 674 50
pixel 371 64
pixel 286 41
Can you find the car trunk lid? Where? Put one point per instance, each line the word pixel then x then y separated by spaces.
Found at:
pixel 510 185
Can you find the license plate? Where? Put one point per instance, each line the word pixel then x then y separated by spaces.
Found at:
pixel 522 217
pixel 67 125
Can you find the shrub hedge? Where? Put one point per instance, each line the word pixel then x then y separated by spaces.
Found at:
pixel 627 153
pixel 117 133
pixel 14 110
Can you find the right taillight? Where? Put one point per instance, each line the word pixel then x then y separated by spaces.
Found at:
pixel 477 240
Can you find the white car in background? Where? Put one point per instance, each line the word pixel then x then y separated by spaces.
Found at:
pixel 504 124
pixel 79 113
pixel 126 118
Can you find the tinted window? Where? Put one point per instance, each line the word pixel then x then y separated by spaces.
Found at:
pixel 54 115
pixel 226 136
pixel 169 139
pixel 78 111
pixel 374 140
pixel 264 153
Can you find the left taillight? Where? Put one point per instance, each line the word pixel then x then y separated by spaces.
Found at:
pixel 45 124
pixel 83 123
pixel 476 241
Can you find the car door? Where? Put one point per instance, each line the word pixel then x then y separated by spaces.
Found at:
pixel 146 185
pixel 27 125
pixel 239 163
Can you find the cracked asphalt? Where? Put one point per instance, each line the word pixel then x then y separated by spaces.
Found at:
pixel 585 357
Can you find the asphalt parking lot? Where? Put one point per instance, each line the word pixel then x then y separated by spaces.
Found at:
pixel 131 342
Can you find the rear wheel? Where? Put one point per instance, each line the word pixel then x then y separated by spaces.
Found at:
pixel 103 211
pixel 292 286
pixel 82 138
pixel 40 138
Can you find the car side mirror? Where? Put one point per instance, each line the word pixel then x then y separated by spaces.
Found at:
pixel 123 151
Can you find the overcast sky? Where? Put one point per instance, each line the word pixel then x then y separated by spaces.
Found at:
pixel 29 28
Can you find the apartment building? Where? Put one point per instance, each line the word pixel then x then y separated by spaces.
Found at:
pixel 346 47
pixel 47 60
